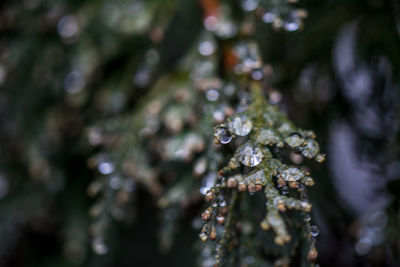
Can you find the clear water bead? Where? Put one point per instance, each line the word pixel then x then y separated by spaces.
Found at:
pixel 268 137
pixel 311 149
pixel 249 5
pixel 99 247
pixel 268 17
pixel 292 174
pixel 249 155
pixel 314 231
pixel 240 125
pixel 223 135
pixel 106 167
pixel 294 140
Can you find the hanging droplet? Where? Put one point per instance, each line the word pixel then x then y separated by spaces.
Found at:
pixel 222 135
pixel 249 5
pixel 312 254
pixel 249 155
pixel 220 219
pixel 294 140
pixel 231 183
pixel 268 17
pixel 307 217
pixel 206 214
pixel 115 182
pixel 106 167
pixel 291 174
pixel 305 206
pixel 311 149
pixel 203 236
pixel 268 137
pixel 314 231
pixel 240 125
pixel 212 95
pixel 206 48
pixel 99 247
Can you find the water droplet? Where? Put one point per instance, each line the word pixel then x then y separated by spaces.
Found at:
pixel 314 231
pixel 249 5
pixel 240 125
pixel 363 247
pixel 106 167
pixel 223 135
pixel 294 140
pixel 268 17
pixel 212 95
pixel 249 155
pixel 268 137
pixel 203 236
pixel 115 182
pixel 152 56
pixel 311 149
pixel 307 217
pixel 305 206
pixel 291 174
pixel 211 23
pixel 208 182
pixel 74 82
pixel 206 48
pixel 99 247
pixel 200 166
pixel 67 27
pixel 292 25
pixel 257 75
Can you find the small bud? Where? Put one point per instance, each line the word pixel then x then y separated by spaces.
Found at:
pixel 320 158
pixel 312 254
pixel 231 183
pixel 264 225
pixel 223 210
pixel 206 214
pixel 281 207
pixel 279 240
pixel 209 196
pixel 203 236
pixel 306 206
pixel 220 219
pixel 309 181
pixel 213 233
pixel 281 182
pixel 293 184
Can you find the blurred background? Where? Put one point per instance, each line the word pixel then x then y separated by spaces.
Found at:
pixel 72 73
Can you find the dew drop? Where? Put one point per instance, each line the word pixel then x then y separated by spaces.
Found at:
pixel 291 174
pixel 99 247
pixel 115 183
pixel 314 231
pixel 203 236
pixel 249 155
pixel 206 48
pixel 212 95
pixel 68 26
pixel 240 125
pixel 311 149
pixel 106 167
pixel 223 135
pixel 294 140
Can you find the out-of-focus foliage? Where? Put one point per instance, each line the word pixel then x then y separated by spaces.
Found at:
pixel 117 118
